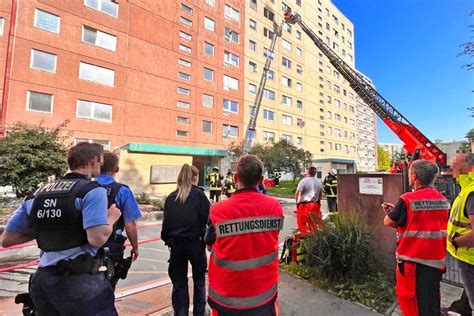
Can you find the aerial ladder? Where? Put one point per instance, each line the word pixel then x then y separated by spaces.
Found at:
pixel 247 141
pixel 415 142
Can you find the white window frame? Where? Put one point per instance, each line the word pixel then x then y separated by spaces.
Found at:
pixel 212 74
pixel 213 49
pixel 185 48
pixel 229 38
pixel 95 75
pixel 37 111
pixel 230 87
pixel 186 120
pixel 184 136
pixel 286 45
pixel 92 111
pixel 92 141
pixel 185 21
pixel 266 115
pixel 228 109
pixel 187 105
pixel 233 13
pixel 185 36
pixel 186 9
pixel 97 37
pixel 41 69
pixel 229 61
pixel 286 120
pixel 202 127
pixel 205 105
pixel 185 90
pixel 184 63
pixel 266 138
pixel 189 76
pixel 225 135
pixel 39 27
pixel 211 20
pixel 2 25
pixel 100 6
pixel 212 3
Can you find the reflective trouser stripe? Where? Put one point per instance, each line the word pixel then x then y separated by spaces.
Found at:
pixel 439 264
pixel 239 265
pixel 248 302
pixel 423 234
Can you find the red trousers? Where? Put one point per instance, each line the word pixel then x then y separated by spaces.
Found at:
pixel 308 217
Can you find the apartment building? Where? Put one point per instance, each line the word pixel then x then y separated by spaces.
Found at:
pixel 161 80
pixel 306 101
pixel 392 149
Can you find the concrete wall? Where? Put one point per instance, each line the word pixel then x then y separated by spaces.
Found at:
pixel 135 171
pixel 369 208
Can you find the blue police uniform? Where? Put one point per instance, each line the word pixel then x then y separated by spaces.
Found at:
pixel 54 292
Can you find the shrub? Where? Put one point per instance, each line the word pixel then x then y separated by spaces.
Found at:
pixel 340 250
pixel 143 198
pixel 158 203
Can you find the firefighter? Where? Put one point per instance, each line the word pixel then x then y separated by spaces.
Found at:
pixel 421 219
pixel 242 235
pixel 276 177
pixel 215 184
pixel 70 222
pixel 330 189
pixel 120 195
pixel 460 233
pixel 229 183
pixel 308 201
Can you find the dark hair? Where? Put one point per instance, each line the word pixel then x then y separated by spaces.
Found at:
pixel 111 162
pixel 81 154
pixel 249 170
pixel 425 171
pixel 312 171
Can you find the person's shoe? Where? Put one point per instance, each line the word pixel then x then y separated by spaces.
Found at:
pixel 449 311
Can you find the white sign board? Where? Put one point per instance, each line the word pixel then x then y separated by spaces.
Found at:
pixel 372 186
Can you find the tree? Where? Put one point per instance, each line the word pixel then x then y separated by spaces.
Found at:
pixel 383 159
pixel 466 146
pixel 30 154
pixel 234 151
pixel 468 48
pixel 439 142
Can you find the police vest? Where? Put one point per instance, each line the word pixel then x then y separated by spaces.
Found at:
pixel 423 238
pixel 330 186
pixel 54 218
pixel 215 181
pixel 243 267
pixel 112 190
pixel 460 223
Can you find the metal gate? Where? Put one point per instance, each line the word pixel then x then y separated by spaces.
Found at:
pixel 452 275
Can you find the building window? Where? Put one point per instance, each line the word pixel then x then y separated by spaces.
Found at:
pixel 207 100
pixel 94 111
pixel 253 5
pixel 329 114
pixel 207 127
pixel 43 61
pixel 39 102
pixel 186 22
pixel 337 103
pixel 252 67
pixel 230 106
pixel 185 35
pixel 208 74
pixel 252 89
pixel 109 7
pixel 211 2
pixel 209 24
pixel 286 119
pixel 299 104
pixel 267 33
pixel 230 131
pixel 267 53
pixel 299 87
pixel 47 21
pixel 184 91
pixel 184 76
pixel 231 36
pixel 182 119
pixel 99 38
pixel 268 14
pixel 286 81
pixel 338 147
pixel 208 49
pixel 337 117
pixel 231 59
pixel 287 27
pixel 252 111
pixel 2 26
pixel 252 45
pixel 251 134
pixel 231 13
pixel 269 94
pixel 299 52
pixel 268 115
pixel 180 133
pixel 286 62
pixel 183 105
pixel 285 44
pixel 298 2
pixel 186 9
pixel 299 69
pixel 337 132
pixel 329 145
pixel 185 48
pixel 299 141
pixel 269 136
pixel 96 74
pixel 287 138
pixel 286 100
pixel 253 24
pixel 184 63
pixel 335 47
pixel 270 74
pixel 230 83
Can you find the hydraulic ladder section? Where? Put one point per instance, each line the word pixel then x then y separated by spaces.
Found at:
pixel 413 139
pixel 247 141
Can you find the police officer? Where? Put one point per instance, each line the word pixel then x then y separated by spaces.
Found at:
pixel 243 235
pixel 330 189
pixel 229 183
pixel 421 219
pixel 70 222
pixel 215 184
pixel 276 177
pixel 120 195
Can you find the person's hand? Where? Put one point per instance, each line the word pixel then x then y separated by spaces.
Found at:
pixel 113 214
pixel 386 206
pixel 134 252
pixel 209 248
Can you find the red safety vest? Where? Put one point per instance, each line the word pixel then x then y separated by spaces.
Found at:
pixel 423 238
pixel 243 268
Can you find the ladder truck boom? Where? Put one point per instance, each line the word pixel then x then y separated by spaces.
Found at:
pixel 414 141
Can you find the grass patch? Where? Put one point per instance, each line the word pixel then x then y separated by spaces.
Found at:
pixel 286 189
pixel 376 290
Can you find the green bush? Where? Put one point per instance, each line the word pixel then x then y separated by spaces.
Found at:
pixel 143 198
pixel 340 250
pixel 158 203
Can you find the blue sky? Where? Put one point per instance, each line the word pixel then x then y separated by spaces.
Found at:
pixel 408 48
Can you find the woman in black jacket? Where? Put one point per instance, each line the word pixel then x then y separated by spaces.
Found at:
pixel 184 224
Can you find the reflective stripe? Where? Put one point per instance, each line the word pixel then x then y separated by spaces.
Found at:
pixel 461 224
pixel 423 234
pixel 251 301
pixel 431 263
pixel 239 265
pixel 249 225
pixel 429 205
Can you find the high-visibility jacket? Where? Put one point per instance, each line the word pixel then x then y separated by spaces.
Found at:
pixel 330 186
pixel 230 183
pixel 276 174
pixel 460 223
pixel 243 267
pixel 215 181
pixel 423 238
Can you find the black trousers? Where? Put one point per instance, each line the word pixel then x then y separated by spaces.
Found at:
pixel 182 252
pixel 332 204
pixel 215 195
